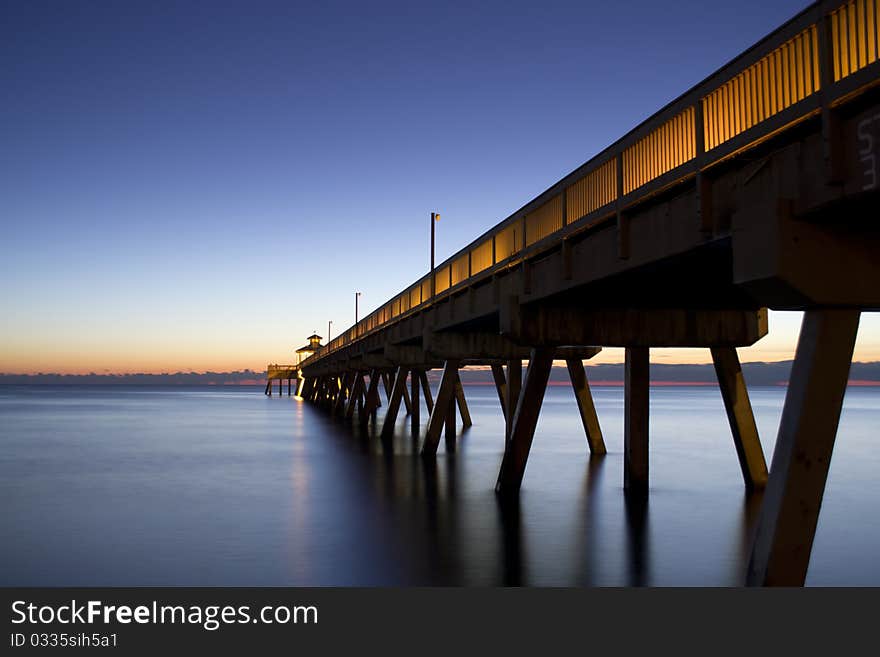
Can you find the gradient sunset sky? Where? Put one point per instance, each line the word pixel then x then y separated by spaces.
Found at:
pixel 199 186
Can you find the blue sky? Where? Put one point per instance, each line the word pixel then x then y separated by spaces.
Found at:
pixel 201 185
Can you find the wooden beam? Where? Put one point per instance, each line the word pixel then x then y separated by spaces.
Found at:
pixel 793 497
pixel 528 407
pixel 636 413
pixel 397 391
pixel 445 394
pixel 739 414
pixel 587 408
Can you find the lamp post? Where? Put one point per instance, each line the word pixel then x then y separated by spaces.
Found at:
pixel 434 218
pixel 356 295
pixel 329 324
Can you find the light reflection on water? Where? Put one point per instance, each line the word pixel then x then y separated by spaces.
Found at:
pixel 128 486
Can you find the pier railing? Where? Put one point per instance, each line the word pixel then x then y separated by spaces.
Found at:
pixel 802 69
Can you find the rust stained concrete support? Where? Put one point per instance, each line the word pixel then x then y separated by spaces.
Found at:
pixel 790 509
pixel 636 414
pixel 528 407
pixel 445 395
pixel 397 391
pixel 739 414
pixel 587 408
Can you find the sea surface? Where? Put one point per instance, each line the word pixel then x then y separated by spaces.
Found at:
pixel 225 486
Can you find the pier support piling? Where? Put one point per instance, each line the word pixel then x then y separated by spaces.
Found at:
pixel 636 414
pixel 426 391
pixel 514 383
pixel 500 388
pixel 445 394
pixel 462 403
pixel 587 408
pixel 801 458
pixel 449 433
pixel 414 394
pixel 525 419
pixel 355 395
pixel 740 416
pixel 397 391
pixel 373 400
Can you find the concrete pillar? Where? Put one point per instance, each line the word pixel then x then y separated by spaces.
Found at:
pixel 525 419
pixel 587 408
pixel 268 389
pixel 450 426
pixel 373 401
pixel 355 394
pixel 637 380
pixel 414 394
pixel 462 403
pixel 500 387
pixel 793 497
pixel 426 391
pixel 739 414
pixel 288 387
pixel 397 391
pixel 345 389
pixel 514 383
pixel 407 403
pixel 445 394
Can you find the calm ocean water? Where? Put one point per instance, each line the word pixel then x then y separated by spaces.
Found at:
pixel 170 486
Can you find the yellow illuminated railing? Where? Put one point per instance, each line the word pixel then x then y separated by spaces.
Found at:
pixel 595 190
pixel 460 269
pixel 544 221
pixel 481 257
pixel 667 147
pixel 782 78
pixel 275 369
pixel 780 72
pixel 855 36
pixel 442 279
